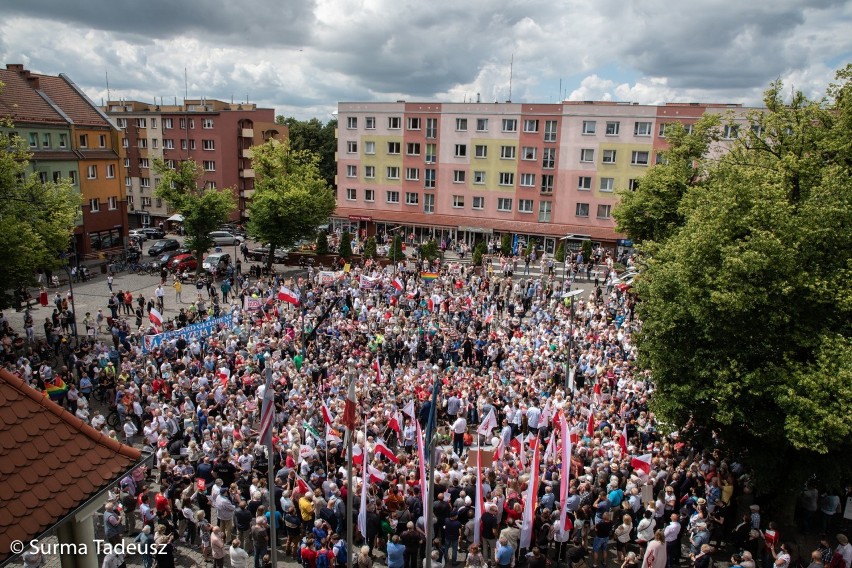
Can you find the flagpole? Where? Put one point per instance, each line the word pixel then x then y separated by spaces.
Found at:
pixel 350 541
pixel 430 439
pixel 270 451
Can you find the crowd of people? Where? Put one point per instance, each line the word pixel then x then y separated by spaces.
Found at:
pixel 498 346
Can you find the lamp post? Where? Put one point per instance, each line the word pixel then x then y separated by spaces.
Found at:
pixel 569 383
pixel 430 447
pixel 350 541
pixel 73 306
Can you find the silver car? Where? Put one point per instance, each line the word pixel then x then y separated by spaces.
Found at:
pixel 224 238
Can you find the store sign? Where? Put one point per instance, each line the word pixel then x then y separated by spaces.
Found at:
pixel 360 218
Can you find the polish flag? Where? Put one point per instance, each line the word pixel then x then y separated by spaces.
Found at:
pixel 479 505
pixel 395 423
pixel 566 473
pixel 598 393
pixel 590 427
pixel 397 283
pixel 574 436
pixel 622 440
pixel 409 409
pixel 223 374
pixel 642 463
pixel 362 511
pixel 529 500
pixel 546 413
pixel 498 451
pixel 517 444
pixel 357 454
pixel 376 475
pixel 551 447
pixel 421 464
pixel 302 485
pixel 377 365
pixel 156 319
pixel 488 424
pixel 285 294
pixel 381 448
pixel 490 315
pixel 327 416
pixel 349 407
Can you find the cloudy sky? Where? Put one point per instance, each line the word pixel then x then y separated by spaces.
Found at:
pixel 303 56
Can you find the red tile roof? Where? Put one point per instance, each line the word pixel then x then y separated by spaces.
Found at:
pixel 72 101
pixel 20 102
pixel 51 462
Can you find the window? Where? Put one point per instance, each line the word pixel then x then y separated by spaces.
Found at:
pixel 612 127
pixel 130 201
pixel 587 155
pixel 431 153
pixel 642 129
pixel 525 205
pixel 370 172
pixel 144 163
pixel 482 125
pixel 639 158
pixel 412 148
pixel 756 129
pixel 110 171
pixel 141 123
pixel 412 174
pixel 369 147
pixel 461 124
pixel 63 140
pixel 168 144
pixel 547 183
pixel 351 193
pixel 94 206
pixel 529 153
pixel 84 140
pixel 544 210
pixel 428 203
pixel 550 131
pixel 607 184
pixel 171 164
pixel 155 143
pixel 144 182
pixel 414 123
pixel 412 198
pixel 370 195
pixel 429 178
pixel 478 203
pixel 431 128
pixel 507 178
pixel 504 204
pixel 113 203
pixel 608 157
pixel 153 123
pixel 458 201
pixel 633 184
pixel 548 158
pixel 45 140
pixel 72 175
pixel 480 151
pixel 461 150
pixel 507 152
pixel 394 123
pixel 664 126
pixel 392 172
pixel 142 143
pixel 209 166
pixel 589 127
pixel 125 143
pixel 121 122
pixel 530 125
pixel 458 176
pixel 731 131
pixel 207 123
pixel 146 202
pixel 207 184
pixel 208 145
pixel 604 211
pixel 102 140
pixel 92 172
pixel 126 162
pixel 42 177
pixel 479 177
pixel 370 122
pixel 351 171
pixel 527 180
pixel 127 181
pixel 582 210
pixel 168 123
pixel 392 196
pixel 351 123
pixel 159 202
pixel 351 147
pixel 34 140
pixel 394 147
pixel 584 183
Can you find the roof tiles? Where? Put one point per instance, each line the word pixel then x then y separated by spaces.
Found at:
pixel 38 439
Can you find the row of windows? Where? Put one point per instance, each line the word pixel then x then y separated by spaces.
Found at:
pixel 92 171
pixel 95 204
pixel 413 174
pixel 168 123
pixel 482 124
pixel 46 139
pixel 613 128
pixel 637 157
pixel 504 204
pixel 57 176
pixel 169 144
pixel 146 201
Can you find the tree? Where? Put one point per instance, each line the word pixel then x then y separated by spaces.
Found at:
pixel 747 305
pixel 586 247
pixel 345 247
pixel 291 198
pixel 506 244
pixel 370 248
pixel 479 252
pixel 530 248
pixel 315 137
pixel 36 219
pixel 429 250
pixel 560 252
pixel 395 252
pixel 652 212
pixel 322 242
pixel 203 209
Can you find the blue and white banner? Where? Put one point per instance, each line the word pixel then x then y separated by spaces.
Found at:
pixel 190 332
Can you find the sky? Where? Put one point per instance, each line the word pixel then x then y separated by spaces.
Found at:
pixel 302 57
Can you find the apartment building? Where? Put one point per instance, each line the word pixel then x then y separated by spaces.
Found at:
pixel 472 170
pixel 215 134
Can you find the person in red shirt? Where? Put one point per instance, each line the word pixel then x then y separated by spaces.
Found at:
pixel 308 554
pixel 162 503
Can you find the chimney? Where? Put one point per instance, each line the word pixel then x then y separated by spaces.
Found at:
pixel 17 67
pixel 32 82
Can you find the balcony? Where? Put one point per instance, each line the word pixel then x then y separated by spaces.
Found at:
pixel 247 132
pixel 247 153
pixel 247 173
pixel 247 193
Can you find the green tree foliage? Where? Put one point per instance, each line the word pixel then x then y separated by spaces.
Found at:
pixel 479 252
pixel 560 252
pixel 370 248
pixel 314 136
pixel 747 307
pixel 203 209
pixel 291 198
pixel 395 253
pixel 506 244
pixel 530 247
pixel 429 250
pixel 586 247
pixel 652 212
pixel 36 219
pixel 345 247
pixel 322 242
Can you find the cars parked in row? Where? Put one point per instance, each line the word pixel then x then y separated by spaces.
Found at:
pixel 163 245
pixel 261 254
pixel 216 262
pixel 224 238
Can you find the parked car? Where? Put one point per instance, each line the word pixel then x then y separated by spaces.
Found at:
pixel 262 253
pixel 166 257
pixel 138 234
pixel 154 232
pixel 234 229
pixel 224 238
pixel 216 262
pixel 182 262
pixel 163 245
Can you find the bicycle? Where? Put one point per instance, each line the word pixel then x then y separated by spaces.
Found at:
pixel 113 420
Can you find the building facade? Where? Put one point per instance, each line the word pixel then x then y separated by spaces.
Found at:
pixel 215 134
pixel 471 170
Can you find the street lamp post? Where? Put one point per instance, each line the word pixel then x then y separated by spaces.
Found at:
pixel 350 541
pixel 73 306
pixel 569 383
pixel 430 471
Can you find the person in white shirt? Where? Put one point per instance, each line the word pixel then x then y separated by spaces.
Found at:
pixel 459 429
pixel 130 430
pixel 239 557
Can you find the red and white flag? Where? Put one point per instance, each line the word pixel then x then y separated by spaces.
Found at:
pixel 285 294
pixel 551 447
pixel 376 475
pixel 357 455
pixel 395 423
pixel 223 374
pixel 409 408
pixel 480 498
pixel 332 435
pixel 598 393
pixel 382 448
pixel 349 417
pixel 327 416
pixel 590 427
pixel 529 500
pixel 362 511
pixel 622 440
pixel 546 413
pixel 156 319
pixel 490 315
pixel 302 485
pixel 305 451
pixel 566 472
pixel 377 365
pixel 488 424
pixel 642 463
pixel 498 451
pixel 397 283
pixel 517 444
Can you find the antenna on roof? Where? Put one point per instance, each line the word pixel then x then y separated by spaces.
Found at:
pixel 185 89
pixel 107 85
pixel 511 69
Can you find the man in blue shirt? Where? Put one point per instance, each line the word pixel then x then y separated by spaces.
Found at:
pixel 505 554
pixel 396 552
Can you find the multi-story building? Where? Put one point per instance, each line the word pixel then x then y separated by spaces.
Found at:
pixel 469 170
pixel 70 137
pixel 215 134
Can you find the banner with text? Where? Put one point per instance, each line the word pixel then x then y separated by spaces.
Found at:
pixel 190 332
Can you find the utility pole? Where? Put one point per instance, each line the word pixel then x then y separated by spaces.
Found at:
pixel 569 383
pixel 430 447
pixel 350 540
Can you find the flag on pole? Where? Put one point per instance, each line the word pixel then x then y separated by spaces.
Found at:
pixel 382 448
pixel 377 365
pixel 397 283
pixel 642 463
pixel 421 459
pixel 498 451
pixel 285 294
pixel 428 276
pixel 409 408
pixel 267 411
pixel 622 440
pixel 376 475
pixel 395 423
pixel 302 485
pixel 529 501
pixel 546 413
pixel 551 447
pixel 332 435
pixel 223 374
pixel 156 319
pixel 490 315
pixel 590 427
pixel 311 430
pixel 488 424
pixel 362 512
pixel 479 505
pixel 357 454
pixel 517 444
pixel 327 416
pixel 349 407
pixel 598 393
pixel 566 471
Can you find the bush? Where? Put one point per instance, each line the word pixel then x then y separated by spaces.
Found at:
pixel 478 252
pixel 560 252
pixel 530 247
pixel 395 252
pixel 587 250
pixel 429 251
pixel 322 242
pixel 506 244
pixel 370 248
pixel 345 248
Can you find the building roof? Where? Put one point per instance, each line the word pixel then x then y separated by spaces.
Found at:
pixel 51 462
pixel 20 102
pixel 72 101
